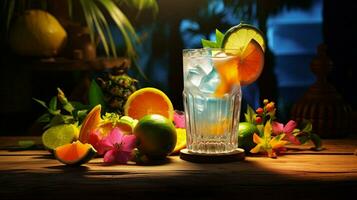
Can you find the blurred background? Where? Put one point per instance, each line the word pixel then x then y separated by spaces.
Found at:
pixel 293 30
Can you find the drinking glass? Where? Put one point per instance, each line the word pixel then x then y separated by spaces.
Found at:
pixel 211 120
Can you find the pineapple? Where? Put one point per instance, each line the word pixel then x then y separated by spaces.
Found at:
pixel 117 87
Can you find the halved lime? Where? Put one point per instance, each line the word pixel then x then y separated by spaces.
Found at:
pixel 59 135
pixel 238 37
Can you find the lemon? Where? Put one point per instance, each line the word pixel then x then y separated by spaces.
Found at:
pixel 37 33
pixel 59 135
pixel 181 140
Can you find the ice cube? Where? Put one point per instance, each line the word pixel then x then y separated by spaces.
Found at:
pixel 195 75
pixel 209 83
pixel 205 63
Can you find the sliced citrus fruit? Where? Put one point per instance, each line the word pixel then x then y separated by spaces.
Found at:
pixel 248 44
pixel 76 153
pixel 59 135
pixel 148 101
pixel 238 37
pixel 181 140
pixel 125 123
pixel 251 63
pixel 90 123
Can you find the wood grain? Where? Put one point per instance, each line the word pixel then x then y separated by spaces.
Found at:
pixel 36 174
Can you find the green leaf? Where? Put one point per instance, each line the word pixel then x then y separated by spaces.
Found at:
pixel 42 103
pixel 317 141
pixel 45 118
pixel 81 114
pixel 26 143
pixel 219 38
pixel 260 128
pixel 250 115
pixel 96 95
pixel 79 106
pixel 208 44
pixel 53 103
pixel 303 138
pixel 308 127
pixel 60 119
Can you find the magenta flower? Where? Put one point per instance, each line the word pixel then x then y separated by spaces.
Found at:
pixel 179 119
pixel 117 147
pixel 279 128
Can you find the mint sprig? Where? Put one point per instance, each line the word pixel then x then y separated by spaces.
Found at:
pixel 214 44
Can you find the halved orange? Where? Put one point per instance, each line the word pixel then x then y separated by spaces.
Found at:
pixel 76 153
pixel 251 63
pixel 250 45
pixel 90 123
pixel 148 101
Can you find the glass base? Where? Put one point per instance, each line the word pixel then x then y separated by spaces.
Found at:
pixel 236 155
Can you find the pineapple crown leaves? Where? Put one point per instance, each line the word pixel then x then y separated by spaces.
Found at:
pixel 214 44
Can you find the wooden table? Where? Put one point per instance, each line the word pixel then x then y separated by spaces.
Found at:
pixel 299 174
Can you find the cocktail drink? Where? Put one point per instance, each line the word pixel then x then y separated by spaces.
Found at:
pixel 212 99
pixel 212 93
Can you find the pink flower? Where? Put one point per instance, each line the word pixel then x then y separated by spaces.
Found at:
pixel 279 128
pixel 117 148
pixel 179 119
pixel 94 139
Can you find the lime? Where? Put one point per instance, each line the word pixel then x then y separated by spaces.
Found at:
pixel 238 37
pixel 156 136
pixel 245 135
pixel 59 135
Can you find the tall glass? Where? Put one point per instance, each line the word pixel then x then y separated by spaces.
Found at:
pixel 211 120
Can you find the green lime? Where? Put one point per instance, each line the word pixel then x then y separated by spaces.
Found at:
pixel 59 135
pixel 238 37
pixel 156 136
pixel 245 135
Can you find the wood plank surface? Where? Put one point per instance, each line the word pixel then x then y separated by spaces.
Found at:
pixel 36 174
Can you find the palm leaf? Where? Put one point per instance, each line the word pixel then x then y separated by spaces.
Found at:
pixel 104 24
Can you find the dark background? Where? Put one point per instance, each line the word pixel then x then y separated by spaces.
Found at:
pixel 293 33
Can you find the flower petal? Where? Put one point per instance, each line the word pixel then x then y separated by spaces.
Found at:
pixel 291 138
pixel 122 157
pixel 277 127
pixel 94 137
pixel 115 136
pixel 179 119
pixel 257 139
pixel 128 143
pixel 102 146
pixel 289 127
pixel 109 156
pixel 256 149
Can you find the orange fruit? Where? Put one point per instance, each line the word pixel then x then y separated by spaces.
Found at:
pixel 76 153
pixel 245 45
pixel 250 63
pixel 90 123
pixel 148 101
pixel 156 136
